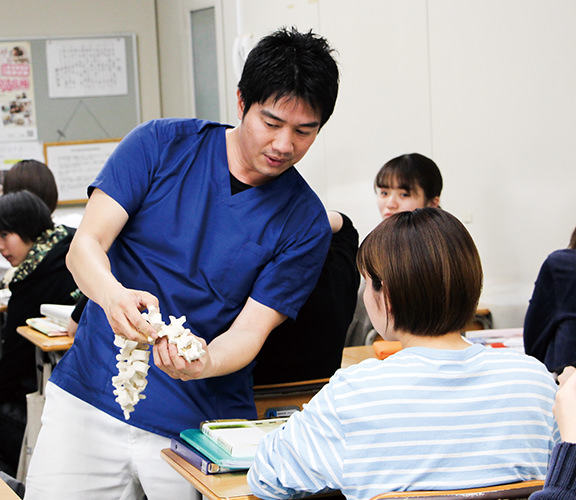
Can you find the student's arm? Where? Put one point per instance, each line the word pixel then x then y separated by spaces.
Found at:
pixel 565 405
pixel 336 221
pixel 88 262
pixel 228 352
pixel 539 319
pixel 561 477
pixel 303 457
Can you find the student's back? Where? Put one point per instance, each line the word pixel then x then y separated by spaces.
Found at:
pixel 550 322
pixel 440 414
pixel 441 419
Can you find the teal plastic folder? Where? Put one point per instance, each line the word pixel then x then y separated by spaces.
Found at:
pixel 197 439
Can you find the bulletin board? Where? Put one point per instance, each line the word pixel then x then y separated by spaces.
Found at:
pixel 68 112
pixel 75 164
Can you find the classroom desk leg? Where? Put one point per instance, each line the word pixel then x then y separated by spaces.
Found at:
pixel 44 363
pixel 41 370
pixel 34 407
pixel 49 359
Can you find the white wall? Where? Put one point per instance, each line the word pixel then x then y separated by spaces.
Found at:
pixel 503 108
pixel 484 88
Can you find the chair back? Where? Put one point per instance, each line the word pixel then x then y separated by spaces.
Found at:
pixel 522 489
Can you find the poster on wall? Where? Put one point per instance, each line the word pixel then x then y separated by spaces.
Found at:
pixel 75 164
pixel 16 93
pixel 86 67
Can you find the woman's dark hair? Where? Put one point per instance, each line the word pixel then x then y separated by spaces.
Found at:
pixel 291 64
pixel 410 171
pixel 34 176
pixel 428 268
pixel 25 214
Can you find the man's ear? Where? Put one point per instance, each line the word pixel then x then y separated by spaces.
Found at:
pixel 240 105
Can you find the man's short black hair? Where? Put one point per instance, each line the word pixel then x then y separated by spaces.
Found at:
pixel 288 63
pixel 25 214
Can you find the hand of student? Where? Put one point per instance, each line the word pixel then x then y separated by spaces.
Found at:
pixel 565 405
pixel 124 308
pixel 166 358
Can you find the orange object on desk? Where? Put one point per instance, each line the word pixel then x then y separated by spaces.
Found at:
pixel 384 348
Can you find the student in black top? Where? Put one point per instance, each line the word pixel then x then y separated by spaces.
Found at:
pixel 36 250
pixel 310 347
pixel 550 322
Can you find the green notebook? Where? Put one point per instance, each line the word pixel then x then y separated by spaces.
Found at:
pixel 197 439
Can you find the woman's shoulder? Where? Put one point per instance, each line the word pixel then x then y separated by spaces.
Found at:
pixel 561 256
pixel 559 264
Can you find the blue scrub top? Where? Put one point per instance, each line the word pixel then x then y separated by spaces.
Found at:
pixel 202 252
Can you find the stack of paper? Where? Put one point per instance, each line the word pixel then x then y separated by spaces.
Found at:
pixel 57 313
pixel 47 327
pixel 511 338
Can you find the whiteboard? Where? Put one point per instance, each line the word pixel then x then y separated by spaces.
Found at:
pixel 66 114
pixel 75 164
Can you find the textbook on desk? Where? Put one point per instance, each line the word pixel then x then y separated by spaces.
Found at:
pixel 240 438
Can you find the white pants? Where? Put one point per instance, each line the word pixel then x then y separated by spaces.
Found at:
pixel 84 454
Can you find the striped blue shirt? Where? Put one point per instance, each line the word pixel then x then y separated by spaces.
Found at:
pixel 423 419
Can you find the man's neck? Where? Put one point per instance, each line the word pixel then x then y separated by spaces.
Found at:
pixel 235 159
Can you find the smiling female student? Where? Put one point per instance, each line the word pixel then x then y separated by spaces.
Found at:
pixel 403 184
pixel 407 182
pixel 440 414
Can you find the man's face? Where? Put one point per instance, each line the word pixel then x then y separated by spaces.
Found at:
pixel 273 136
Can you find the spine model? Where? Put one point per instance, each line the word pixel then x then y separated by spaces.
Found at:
pixel 133 358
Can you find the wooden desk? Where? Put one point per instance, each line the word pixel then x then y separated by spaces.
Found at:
pixel 279 400
pixel 357 353
pixel 233 485
pixel 45 343
pixel 227 486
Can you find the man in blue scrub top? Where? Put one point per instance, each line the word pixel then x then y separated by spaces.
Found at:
pixel 203 220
